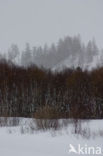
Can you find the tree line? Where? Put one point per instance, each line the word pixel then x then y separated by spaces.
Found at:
pixel 31 91
pixel 70 49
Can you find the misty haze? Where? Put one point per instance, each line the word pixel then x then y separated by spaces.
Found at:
pixel 68 52
pixel 51 77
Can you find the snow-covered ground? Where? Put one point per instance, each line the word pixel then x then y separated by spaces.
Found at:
pixel 15 142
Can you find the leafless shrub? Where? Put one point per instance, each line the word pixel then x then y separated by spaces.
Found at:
pixel 47 124
pixel 47 112
pixel 47 118
pixel 6 121
pixel 77 126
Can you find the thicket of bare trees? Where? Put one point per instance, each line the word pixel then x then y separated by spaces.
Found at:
pixel 33 91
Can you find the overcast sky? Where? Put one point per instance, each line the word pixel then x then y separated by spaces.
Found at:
pixel 45 21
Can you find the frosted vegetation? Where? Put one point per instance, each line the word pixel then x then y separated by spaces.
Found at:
pixel 78 128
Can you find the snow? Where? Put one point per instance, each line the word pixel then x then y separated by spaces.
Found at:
pixel 47 143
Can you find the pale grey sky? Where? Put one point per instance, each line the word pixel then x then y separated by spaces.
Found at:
pixel 45 21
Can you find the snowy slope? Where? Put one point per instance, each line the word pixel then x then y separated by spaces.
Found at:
pixel 46 143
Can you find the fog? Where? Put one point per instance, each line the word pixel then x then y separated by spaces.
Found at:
pixel 45 21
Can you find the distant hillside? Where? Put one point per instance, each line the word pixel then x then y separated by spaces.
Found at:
pixel 68 52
